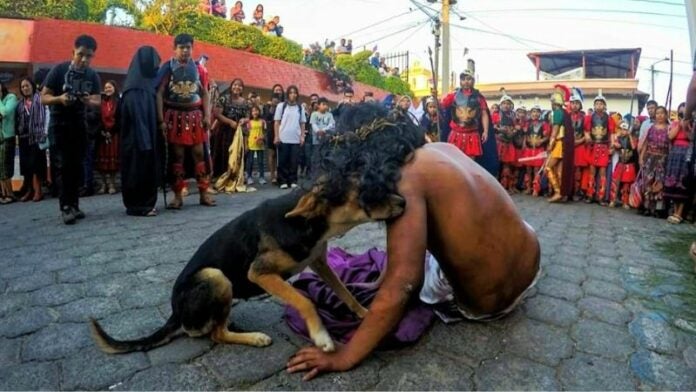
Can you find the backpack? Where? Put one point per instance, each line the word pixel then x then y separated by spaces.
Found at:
pixel 299 110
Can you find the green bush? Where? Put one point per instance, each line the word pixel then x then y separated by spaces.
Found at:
pixel 281 48
pixel 359 68
pixel 235 35
pixel 398 86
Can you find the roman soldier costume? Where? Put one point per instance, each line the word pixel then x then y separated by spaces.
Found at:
pixel 581 159
pixel 625 171
pixel 599 127
pixel 183 114
pixel 504 133
pixel 562 147
pixel 536 140
pixel 465 108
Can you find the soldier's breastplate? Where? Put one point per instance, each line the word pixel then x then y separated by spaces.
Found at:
pixel 184 87
pixel 536 133
pixel 600 131
pixel 626 151
pixel 578 127
pixel 463 114
pixel 506 120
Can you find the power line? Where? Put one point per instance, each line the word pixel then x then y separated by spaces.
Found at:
pixel 585 19
pixel 510 36
pixel 603 11
pixel 382 30
pixel 407 37
pixel 392 34
pixel 375 24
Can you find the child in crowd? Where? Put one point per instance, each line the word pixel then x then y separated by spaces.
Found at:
pixel 237 13
pixel 258 20
pixel 255 129
pixel 625 172
pixel 536 140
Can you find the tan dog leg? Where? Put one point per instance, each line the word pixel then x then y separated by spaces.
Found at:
pixel 275 285
pixel 222 335
pixel 329 276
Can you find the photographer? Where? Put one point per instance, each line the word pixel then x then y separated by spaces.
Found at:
pixel 68 89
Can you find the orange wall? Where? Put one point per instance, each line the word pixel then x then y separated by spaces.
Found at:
pixel 15 38
pixel 50 41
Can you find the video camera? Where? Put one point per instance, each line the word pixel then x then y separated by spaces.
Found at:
pixel 75 84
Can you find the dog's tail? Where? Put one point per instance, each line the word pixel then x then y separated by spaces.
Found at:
pixel 112 346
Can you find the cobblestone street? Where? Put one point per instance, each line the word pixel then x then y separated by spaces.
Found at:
pixel 611 311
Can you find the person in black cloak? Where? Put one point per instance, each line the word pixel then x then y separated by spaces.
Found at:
pixel 142 145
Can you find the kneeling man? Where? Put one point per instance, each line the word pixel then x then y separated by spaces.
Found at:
pixel 454 209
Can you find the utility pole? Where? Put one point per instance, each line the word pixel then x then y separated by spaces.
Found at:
pixel 436 33
pixel 652 81
pixel 445 46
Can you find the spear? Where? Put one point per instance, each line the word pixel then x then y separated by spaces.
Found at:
pixel 434 79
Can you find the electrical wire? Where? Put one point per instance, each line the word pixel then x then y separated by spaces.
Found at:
pixel 392 34
pixel 408 37
pixel 604 11
pixel 375 24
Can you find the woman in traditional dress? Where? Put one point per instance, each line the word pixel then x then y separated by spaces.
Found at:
pixel 230 109
pixel 107 139
pixel 31 129
pixel 142 146
pixel 653 160
pixel 8 105
pixel 678 178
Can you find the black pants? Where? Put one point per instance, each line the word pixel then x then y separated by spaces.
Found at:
pixel 67 153
pixel 288 155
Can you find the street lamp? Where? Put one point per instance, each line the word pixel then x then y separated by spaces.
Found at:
pixel 652 76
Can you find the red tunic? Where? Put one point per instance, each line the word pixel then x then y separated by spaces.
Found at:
pixel 467 139
pixel 185 127
pixel 625 172
pixel 108 148
pixel 530 152
pixel 599 152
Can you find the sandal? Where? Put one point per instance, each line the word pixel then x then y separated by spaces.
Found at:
pixel 175 205
pixel 675 219
pixel 6 200
pixel 207 201
pixel 152 212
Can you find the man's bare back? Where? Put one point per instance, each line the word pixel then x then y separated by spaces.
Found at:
pixel 454 209
pixel 488 253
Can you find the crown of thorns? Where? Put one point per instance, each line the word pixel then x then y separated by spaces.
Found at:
pixel 364 131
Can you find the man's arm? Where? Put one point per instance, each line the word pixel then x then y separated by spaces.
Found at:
pixel 49 98
pixel 406 245
pixel 485 122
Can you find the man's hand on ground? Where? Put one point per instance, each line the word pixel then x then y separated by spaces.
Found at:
pixel 314 361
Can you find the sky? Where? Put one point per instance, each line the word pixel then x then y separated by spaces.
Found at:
pixel 500 33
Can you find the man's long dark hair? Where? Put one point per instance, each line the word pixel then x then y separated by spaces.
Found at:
pixel 370 148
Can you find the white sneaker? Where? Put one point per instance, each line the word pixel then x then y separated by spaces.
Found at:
pixel 262 181
pixel 284 186
pixel 293 185
pixel 250 181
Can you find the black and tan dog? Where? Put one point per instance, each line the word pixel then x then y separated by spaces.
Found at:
pixel 254 252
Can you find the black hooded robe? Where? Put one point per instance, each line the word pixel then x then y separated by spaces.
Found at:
pixel 142 144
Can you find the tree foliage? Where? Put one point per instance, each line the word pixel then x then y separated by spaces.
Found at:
pixel 235 35
pixel 360 69
pixel 84 10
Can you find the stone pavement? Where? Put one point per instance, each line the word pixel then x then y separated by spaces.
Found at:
pixel 610 312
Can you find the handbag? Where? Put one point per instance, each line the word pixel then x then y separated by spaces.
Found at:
pixel 635 196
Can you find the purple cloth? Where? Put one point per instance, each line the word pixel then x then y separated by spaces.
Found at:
pixel 358 273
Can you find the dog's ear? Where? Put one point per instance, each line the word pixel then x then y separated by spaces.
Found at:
pixel 307 207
